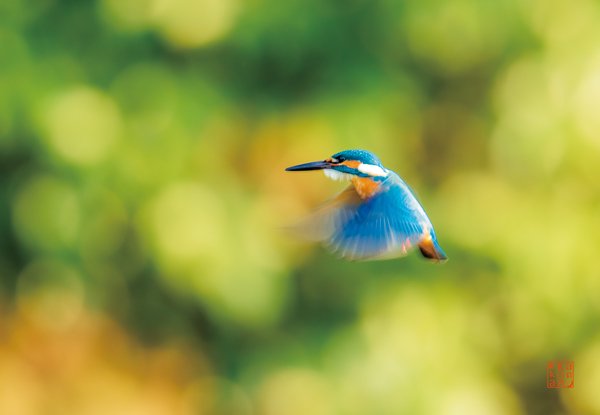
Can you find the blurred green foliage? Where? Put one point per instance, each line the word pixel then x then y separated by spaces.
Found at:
pixel 143 264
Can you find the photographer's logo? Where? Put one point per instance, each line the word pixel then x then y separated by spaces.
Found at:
pixel 560 374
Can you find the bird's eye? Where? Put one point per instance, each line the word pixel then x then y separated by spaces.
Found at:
pixel 338 159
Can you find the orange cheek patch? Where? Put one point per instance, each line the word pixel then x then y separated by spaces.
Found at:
pixel 365 186
pixel 353 164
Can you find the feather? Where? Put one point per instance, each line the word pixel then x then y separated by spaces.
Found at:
pixel 336 175
pixel 386 225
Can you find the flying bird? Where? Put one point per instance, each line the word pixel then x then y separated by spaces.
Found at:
pixel 376 217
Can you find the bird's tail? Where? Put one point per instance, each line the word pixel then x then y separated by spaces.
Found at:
pixel 432 250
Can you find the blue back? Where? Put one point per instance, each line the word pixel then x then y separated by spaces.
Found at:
pixel 387 224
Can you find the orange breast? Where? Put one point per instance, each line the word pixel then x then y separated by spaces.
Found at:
pixel 366 187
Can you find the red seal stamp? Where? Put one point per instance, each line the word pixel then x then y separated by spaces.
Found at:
pixel 560 374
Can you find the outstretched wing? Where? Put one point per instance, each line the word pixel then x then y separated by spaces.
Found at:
pixel 384 225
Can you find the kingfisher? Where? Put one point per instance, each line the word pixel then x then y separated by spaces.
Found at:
pixel 376 217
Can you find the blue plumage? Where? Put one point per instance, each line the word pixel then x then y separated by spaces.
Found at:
pixel 362 156
pixel 381 224
pixel 377 216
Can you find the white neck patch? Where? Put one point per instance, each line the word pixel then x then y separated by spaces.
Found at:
pixel 372 170
pixel 336 175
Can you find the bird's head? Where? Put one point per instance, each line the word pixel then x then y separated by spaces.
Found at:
pixel 347 164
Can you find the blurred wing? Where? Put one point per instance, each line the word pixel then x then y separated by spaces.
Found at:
pixel 384 226
pixel 322 223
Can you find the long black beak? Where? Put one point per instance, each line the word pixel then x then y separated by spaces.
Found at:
pixel 314 165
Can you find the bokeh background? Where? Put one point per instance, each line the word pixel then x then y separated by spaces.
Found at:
pixel 143 265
